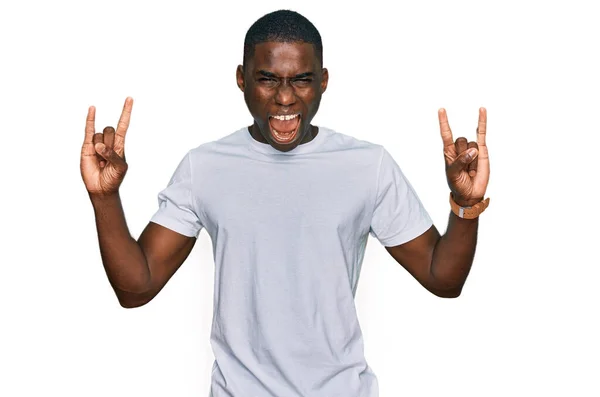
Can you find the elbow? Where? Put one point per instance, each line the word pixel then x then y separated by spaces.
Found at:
pixel 444 287
pixel 131 305
pixel 131 300
pixel 446 291
pixel 448 294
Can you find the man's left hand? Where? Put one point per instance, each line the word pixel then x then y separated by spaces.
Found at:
pixel 467 163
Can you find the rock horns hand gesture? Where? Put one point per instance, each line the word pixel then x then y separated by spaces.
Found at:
pixel 467 163
pixel 103 164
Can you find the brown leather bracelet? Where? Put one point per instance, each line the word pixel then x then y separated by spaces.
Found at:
pixel 469 212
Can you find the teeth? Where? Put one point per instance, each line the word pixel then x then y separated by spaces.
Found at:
pixel 285 117
pixel 283 135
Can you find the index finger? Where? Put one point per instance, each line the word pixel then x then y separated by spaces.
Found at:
pixel 445 130
pixel 90 127
pixel 482 127
pixel 123 124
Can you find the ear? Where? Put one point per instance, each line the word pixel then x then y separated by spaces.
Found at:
pixel 324 79
pixel 239 74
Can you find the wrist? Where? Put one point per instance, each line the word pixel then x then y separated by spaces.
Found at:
pixel 465 202
pixel 469 208
pixel 103 198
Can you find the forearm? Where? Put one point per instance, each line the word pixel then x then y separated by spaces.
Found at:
pixel 122 256
pixel 453 255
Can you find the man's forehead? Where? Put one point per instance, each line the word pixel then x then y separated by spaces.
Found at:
pixel 286 55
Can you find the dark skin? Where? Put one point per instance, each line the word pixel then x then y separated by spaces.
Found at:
pixel 137 270
pixel 442 263
pixel 280 78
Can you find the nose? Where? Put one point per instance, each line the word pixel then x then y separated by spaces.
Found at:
pixel 285 95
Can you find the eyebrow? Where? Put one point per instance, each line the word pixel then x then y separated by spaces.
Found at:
pixel 298 76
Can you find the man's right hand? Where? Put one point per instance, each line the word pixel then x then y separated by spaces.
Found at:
pixel 137 269
pixel 103 164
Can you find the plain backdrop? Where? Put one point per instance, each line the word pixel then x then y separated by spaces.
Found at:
pixel 527 321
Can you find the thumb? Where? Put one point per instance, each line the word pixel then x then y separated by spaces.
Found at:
pixel 462 162
pixel 109 155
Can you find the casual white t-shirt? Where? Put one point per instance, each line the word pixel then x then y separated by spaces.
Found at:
pixel 289 232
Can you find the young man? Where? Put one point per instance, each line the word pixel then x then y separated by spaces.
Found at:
pixel 289 207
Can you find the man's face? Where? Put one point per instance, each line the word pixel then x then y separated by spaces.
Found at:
pixel 282 85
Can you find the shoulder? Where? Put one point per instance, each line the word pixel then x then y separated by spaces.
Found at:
pixel 229 143
pixel 358 148
pixel 341 140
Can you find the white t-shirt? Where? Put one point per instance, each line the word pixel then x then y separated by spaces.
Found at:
pixel 289 232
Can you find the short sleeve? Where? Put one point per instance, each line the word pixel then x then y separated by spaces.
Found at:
pixel 398 214
pixel 176 203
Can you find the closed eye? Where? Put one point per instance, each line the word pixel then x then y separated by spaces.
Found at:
pixel 268 82
pixel 302 82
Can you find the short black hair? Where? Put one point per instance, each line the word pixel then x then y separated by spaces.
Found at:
pixel 284 26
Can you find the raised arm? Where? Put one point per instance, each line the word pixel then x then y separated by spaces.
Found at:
pixel 137 270
pixel 442 263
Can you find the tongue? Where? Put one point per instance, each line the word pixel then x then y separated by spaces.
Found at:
pixel 284 125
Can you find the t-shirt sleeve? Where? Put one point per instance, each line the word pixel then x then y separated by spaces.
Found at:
pixel 398 215
pixel 176 210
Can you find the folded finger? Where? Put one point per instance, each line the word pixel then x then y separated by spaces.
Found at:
pixel 473 165
pixel 109 137
pixel 461 164
pixel 461 145
pixel 98 138
pixel 109 155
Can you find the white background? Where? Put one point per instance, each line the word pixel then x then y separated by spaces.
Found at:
pixel 526 323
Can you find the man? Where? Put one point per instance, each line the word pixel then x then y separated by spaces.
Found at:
pixel 289 207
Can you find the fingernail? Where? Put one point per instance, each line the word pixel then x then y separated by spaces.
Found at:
pixel 472 152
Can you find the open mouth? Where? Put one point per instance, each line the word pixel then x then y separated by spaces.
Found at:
pixel 284 128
